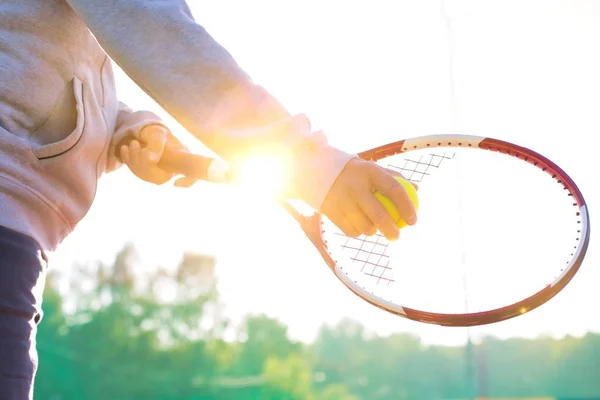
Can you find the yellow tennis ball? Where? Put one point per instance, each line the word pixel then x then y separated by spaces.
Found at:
pixel 389 206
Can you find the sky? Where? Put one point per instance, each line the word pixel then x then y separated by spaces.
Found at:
pixel 368 73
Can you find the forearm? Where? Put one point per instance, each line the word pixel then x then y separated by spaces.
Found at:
pixel 176 62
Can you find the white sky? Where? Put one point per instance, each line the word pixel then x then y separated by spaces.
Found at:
pixel 371 72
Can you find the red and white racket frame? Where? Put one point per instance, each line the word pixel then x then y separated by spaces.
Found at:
pixel 312 226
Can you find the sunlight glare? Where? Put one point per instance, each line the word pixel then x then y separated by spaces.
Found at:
pixel 264 173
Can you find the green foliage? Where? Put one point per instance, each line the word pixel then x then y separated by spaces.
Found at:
pixel 289 378
pixel 337 392
pixel 265 338
pixel 124 341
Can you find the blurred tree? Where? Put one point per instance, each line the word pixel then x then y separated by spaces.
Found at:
pixel 287 379
pixel 161 336
pixel 337 392
pixel 578 368
pixel 264 337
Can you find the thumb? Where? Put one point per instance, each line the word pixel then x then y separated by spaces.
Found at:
pixel 154 138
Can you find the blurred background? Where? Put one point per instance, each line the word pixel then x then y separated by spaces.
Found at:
pixel 201 293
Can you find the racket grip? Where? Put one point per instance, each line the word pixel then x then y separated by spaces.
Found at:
pixel 182 162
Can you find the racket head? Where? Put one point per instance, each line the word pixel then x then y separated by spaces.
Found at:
pixel 378 271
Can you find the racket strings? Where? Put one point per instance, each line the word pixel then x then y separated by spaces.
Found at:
pixel 370 255
pixel 416 169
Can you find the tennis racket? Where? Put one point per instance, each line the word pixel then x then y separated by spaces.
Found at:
pixel 501 231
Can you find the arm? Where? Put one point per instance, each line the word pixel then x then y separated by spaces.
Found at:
pixel 176 62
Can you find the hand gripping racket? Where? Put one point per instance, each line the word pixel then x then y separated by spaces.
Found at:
pixel 502 230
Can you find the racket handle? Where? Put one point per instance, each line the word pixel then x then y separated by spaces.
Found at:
pixel 194 166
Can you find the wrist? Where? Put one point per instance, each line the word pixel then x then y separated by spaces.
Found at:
pixel 315 171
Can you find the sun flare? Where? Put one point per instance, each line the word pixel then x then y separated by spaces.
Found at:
pixel 264 174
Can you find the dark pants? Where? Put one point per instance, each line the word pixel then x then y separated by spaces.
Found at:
pixel 22 275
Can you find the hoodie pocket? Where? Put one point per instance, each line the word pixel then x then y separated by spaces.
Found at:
pixel 70 149
pixel 58 120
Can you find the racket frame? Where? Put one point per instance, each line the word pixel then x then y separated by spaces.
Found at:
pixel 312 226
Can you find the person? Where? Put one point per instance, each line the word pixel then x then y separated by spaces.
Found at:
pixel 60 122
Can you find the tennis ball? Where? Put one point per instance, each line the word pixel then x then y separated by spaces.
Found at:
pixel 389 206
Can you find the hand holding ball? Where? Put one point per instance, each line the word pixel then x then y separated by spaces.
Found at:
pixel 389 206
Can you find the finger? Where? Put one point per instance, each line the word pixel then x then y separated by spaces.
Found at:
pixel 398 173
pixel 185 182
pixel 158 176
pixel 155 138
pixel 134 153
pixel 348 229
pixel 361 222
pixel 343 223
pixel 385 184
pixel 149 156
pixel 379 216
pixel 124 153
pixel 370 231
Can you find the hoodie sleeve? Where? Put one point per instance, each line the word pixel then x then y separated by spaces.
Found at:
pixel 177 63
pixel 129 124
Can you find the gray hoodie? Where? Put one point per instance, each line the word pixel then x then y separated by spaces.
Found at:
pixel 59 114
